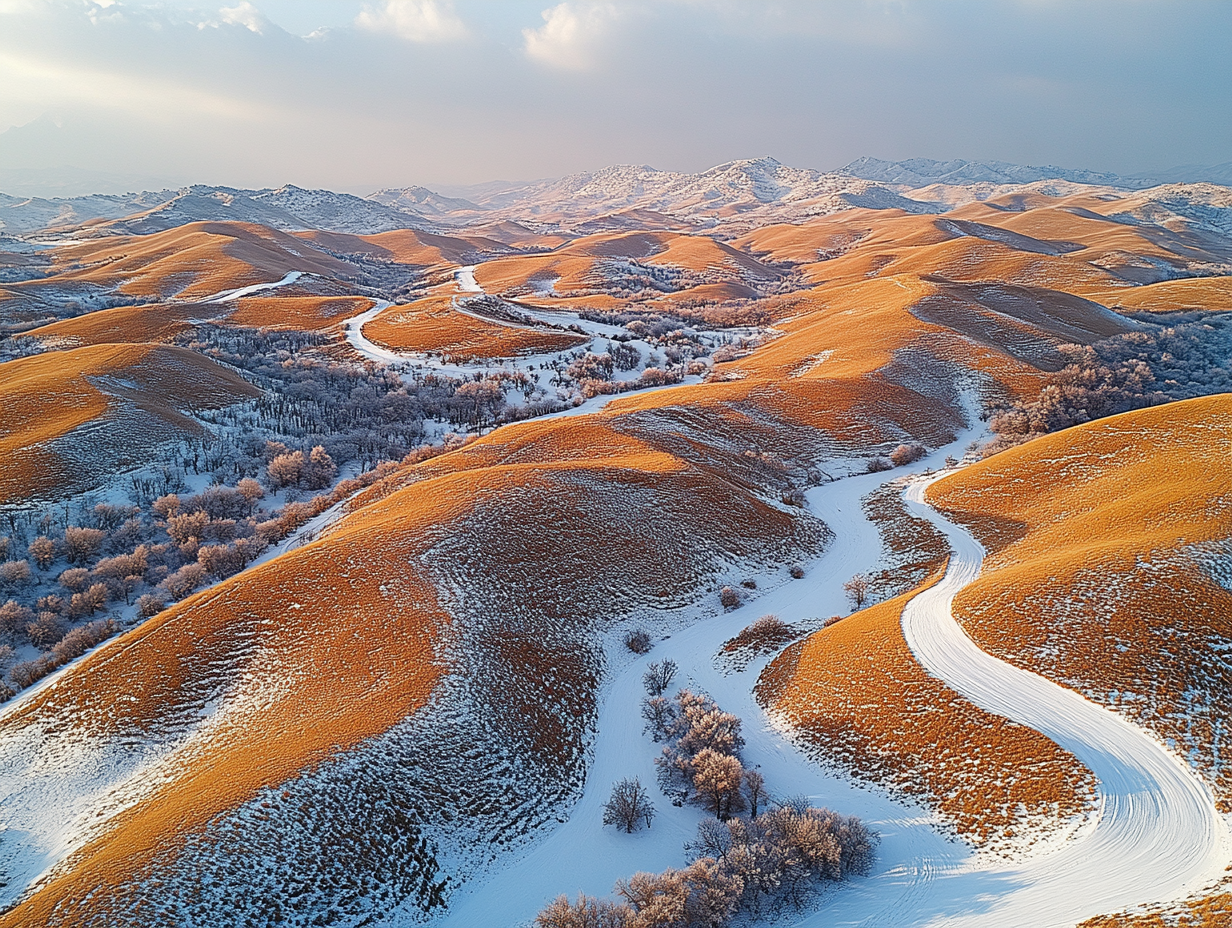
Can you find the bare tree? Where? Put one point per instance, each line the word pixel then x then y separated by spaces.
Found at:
pixel 754 790
pixel 13 618
pixel 74 579
pixel 658 676
pixel 638 641
pixel 659 713
pixel 45 630
pixel 907 454
pixel 81 544
pixel 857 589
pixel 629 806
pixel 14 573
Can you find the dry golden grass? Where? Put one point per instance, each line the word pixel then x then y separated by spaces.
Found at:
pixel 658 482
pixel 46 397
pixel 1105 589
pixel 321 650
pixel 190 262
pixel 334 643
pixel 435 324
pixel 1205 294
pixel 406 246
pixel 577 268
pixel 1213 911
pixel 855 695
pixel 303 313
pixel 160 322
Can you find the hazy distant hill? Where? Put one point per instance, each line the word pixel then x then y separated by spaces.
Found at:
pixel 736 195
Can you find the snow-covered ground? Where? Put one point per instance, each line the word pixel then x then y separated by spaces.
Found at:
pixel 582 855
pixel 540 368
pixel 465 277
pixel 226 296
pixel 354 328
pixel 1156 836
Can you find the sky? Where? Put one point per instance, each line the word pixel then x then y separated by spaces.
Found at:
pixel 355 95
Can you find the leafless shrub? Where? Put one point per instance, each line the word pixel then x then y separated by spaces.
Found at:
pixel 629 806
pixel 166 506
pixel 878 464
pixel 659 713
pixel 793 496
pixel 638 641
pixel 765 636
pixel 796 572
pixel 730 597
pixel 14 573
pixel 75 579
pixel 857 589
pixel 659 676
pixel 150 604
pixel 79 640
pixel 184 581
pixel 80 544
pixel 587 912
pixel 45 630
pixel 188 526
pixel 14 617
pixel 90 600
pixel 28 672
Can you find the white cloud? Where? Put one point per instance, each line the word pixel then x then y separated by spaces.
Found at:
pixel 571 35
pixel 244 14
pixel 414 20
pixel 57 83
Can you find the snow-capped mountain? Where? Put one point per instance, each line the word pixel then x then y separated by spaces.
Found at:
pixel 423 201
pixel 731 194
pixel 920 172
pixel 23 215
pixel 761 188
pixel 287 208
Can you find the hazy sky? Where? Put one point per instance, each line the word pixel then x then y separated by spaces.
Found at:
pixel 357 95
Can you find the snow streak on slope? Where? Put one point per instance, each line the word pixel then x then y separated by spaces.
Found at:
pixel 1158 836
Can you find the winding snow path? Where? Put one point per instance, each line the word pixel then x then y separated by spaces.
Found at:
pixel 226 296
pixel 371 350
pixel 1158 835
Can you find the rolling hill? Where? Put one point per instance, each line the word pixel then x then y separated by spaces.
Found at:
pixel 464 464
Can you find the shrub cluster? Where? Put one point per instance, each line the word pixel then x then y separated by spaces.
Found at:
pixel 737 865
pixel 700 761
pixel 1123 373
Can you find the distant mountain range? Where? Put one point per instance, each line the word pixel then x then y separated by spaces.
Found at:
pixel 757 190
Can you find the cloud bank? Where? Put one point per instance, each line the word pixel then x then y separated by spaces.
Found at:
pixel 355 95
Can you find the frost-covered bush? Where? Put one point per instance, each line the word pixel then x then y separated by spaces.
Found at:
pixel 741 865
pixel 1125 372
pixel 698 735
pixel 907 454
